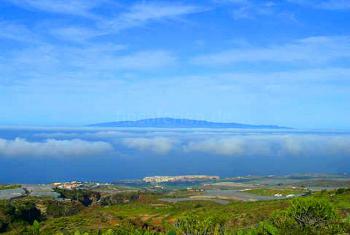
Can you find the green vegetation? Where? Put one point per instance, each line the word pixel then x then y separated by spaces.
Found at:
pixel 304 216
pixel 118 198
pixel 9 186
pixel 326 212
pixel 324 183
pixel 194 225
pixel 85 197
pixel 57 209
pixel 17 214
pixel 88 197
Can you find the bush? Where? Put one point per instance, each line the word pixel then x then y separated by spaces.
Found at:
pixel 58 209
pixel 342 190
pixel 85 197
pixel 4 223
pixel 308 216
pixel 118 198
pixel 193 225
pixel 308 212
pixel 26 211
pixel 18 211
pixel 6 215
pixel 304 216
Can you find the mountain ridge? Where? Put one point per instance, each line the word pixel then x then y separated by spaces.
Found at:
pixel 166 122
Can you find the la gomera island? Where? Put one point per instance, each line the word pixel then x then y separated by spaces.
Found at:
pixel 188 204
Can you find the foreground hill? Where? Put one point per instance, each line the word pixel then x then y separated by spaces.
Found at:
pixel 182 123
pixel 325 212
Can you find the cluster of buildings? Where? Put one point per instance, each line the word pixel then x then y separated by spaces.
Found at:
pixel 162 179
pixel 189 189
pixel 281 195
pixel 78 185
pixel 68 185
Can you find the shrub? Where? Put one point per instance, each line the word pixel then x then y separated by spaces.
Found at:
pixel 342 190
pixel 307 216
pixel 193 225
pixel 118 198
pixel 85 197
pixel 308 212
pixel 58 208
pixel 26 211
pixel 304 216
pixel 6 215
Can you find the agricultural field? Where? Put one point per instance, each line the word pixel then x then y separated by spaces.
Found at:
pixel 278 191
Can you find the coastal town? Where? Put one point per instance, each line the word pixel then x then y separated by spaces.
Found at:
pixel 181 178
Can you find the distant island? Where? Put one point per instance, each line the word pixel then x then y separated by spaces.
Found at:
pixel 182 123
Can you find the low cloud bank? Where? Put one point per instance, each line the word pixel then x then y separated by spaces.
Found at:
pixel 229 145
pixel 53 147
pixel 272 145
pixel 158 145
pixel 220 146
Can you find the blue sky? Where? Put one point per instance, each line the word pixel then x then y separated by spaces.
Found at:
pixel 77 62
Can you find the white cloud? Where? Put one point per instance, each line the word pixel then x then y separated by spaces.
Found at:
pixel 16 32
pixel 136 14
pixel 335 5
pixel 82 57
pixel 143 13
pixel 145 60
pixel 158 145
pixel 228 144
pixel 248 9
pixel 311 50
pixel 76 34
pixel 69 7
pixel 220 146
pixel 132 16
pixel 90 61
pixel 324 4
pixel 281 145
pixel 53 148
pixel 120 18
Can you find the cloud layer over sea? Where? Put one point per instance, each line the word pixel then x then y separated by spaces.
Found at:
pixel 47 155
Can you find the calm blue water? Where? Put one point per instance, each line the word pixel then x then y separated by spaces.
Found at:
pixel 41 155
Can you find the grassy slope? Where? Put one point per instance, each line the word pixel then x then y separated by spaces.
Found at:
pixel 162 215
pixel 159 215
